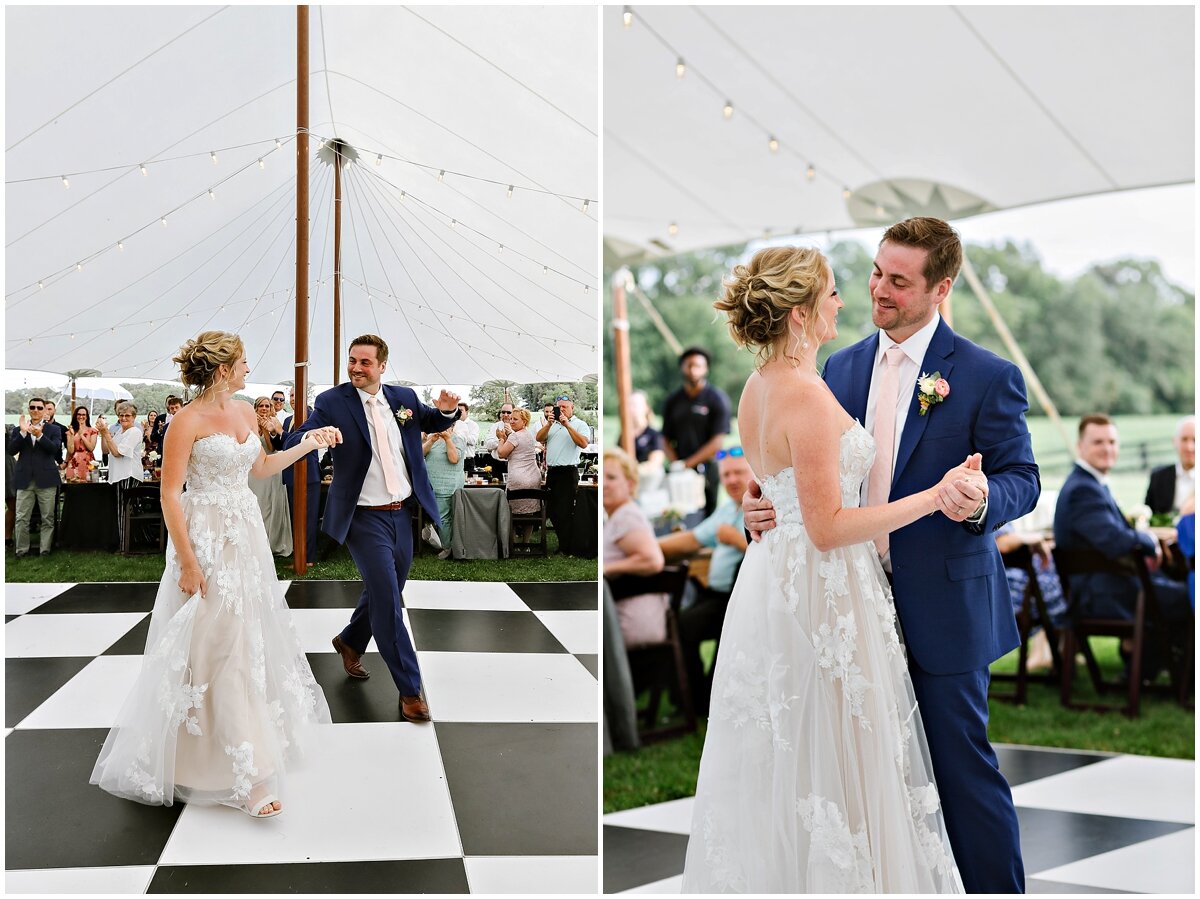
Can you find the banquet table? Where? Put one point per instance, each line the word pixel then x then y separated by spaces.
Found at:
pixel 89 517
pixel 585 540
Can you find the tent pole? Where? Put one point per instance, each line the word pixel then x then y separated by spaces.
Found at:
pixel 299 413
pixel 337 261
pixel 620 326
pixel 1014 350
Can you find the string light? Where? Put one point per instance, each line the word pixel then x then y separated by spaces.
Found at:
pixel 213 155
pixel 845 193
pixel 145 171
pixel 773 144
pixel 379 159
pixel 584 207
pixel 680 68
pixel 441 175
pixel 879 210
pixel 212 194
pixel 78 266
pixel 545 269
pixel 41 284
pixel 164 221
pixel 585 289
pixel 66 183
pixel 509 192
pixel 453 222
pixel 672 229
pixel 120 245
pixel 403 194
pixel 499 249
pixel 261 164
pixel 627 17
pixel 811 172
pixel 278 143
pixel 728 110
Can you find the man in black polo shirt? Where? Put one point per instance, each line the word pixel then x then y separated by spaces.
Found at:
pixel 695 422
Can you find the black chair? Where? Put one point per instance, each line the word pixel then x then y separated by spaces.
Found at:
pixel 659 666
pixel 142 514
pixel 1032 611
pixel 538 518
pixel 1080 628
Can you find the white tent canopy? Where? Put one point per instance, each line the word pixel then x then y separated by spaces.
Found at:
pixel 947 111
pixel 465 282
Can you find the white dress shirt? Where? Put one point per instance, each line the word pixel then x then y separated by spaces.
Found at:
pixel 1185 485
pixel 374 488
pixel 469 431
pixel 129 463
pixel 491 442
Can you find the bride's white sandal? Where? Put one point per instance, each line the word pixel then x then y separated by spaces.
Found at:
pixel 254 807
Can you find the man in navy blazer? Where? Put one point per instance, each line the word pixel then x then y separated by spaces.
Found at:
pixel 38 448
pixel 1087 517
pixel 949 586
pixel 380 476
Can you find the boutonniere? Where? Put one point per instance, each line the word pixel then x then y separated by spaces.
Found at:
pixel 931 390
pixel 403 415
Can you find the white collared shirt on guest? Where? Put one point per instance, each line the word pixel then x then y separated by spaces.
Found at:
pixel 491 442
pixel 1185 485
pixel 468 430
pixel 129 463
pixel 374 488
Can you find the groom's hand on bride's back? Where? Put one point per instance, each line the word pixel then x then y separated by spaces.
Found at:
pixel 758 512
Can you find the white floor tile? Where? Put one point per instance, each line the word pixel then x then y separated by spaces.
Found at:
pixel 84 634
pixel 318 627
pixel 577 631
pixel 92 698
pixel 1130 786
pixel 508 686
pixel 362 792
pixel 671 817
pixel 534 874
pixel 487 597
pixel 79 880
pixel 670 885
pixel 1163 865
pixel 20 598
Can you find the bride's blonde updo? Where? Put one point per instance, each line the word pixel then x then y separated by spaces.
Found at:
pixel 201 358
pixel 760 295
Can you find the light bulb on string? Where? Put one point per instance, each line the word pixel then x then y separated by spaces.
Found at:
pixel 403 194
pixel 164 221
pixel 120 245
pixel 453 222
pixel 66 183
pixel 845 193
pixel 213 156
pixel 212 194
pixel 584 208
pixel 672 229
pixel 773 144
pixel 728 110
pixel 680 68
pixel 441 175
pixel 545 269
pixel 78 266
pixel 586 288
pixel 627 17
pixel 499 249
pixel 278 143
pixel 145 171
pixel 810 172
pixel 41 284
pixel 509 192
pixel 261 164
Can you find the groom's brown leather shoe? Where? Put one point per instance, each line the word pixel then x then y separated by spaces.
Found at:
pixel 350 660
pixel 413 708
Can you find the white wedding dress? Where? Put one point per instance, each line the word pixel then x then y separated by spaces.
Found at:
pixel 815 776
pixel 225 694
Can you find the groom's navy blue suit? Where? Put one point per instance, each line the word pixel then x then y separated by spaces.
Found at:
pixel 380 542
pixel 951 593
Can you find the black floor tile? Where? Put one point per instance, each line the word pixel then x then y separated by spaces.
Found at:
pixel 561 596
pixel 55 819
pixel 353 701
pixel 30 682
pixel 1033 885
pixel 633 857
pixel 134 641
pixel 1020 765
pixel 8 618
pixel 590 661
pixel 129 597
pixel 428 875
pixel 455 630
pixel 324 595
pixel 522 789
pixel 1052 838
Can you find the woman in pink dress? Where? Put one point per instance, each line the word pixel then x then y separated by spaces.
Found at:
pixel 81 440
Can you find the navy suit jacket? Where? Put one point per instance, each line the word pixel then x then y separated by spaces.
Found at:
pixel 1087 517
pixel 951 592
pixel 37 460
pixel 342 407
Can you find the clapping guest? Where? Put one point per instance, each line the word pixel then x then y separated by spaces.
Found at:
pixel 81 444
pixel 519 449
pixel 36 477
pixel 468 430
pixel 125 448
pixel 270 493
pixel 49 423
pixel 445 452
pixel 497 433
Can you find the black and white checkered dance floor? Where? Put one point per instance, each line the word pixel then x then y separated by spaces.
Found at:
pixel 1090 823
pixel 498 795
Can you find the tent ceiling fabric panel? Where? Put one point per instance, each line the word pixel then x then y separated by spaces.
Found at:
pixel 465 282
pixel 966 109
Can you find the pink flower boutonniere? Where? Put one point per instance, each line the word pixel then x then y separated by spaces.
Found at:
pixel 931 390
pixel 403 416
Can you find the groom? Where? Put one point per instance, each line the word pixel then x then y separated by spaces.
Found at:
pixel 379 478
pixel 950 590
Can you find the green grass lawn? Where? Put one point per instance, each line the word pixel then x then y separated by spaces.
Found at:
pixel 667 770
pixel 77 567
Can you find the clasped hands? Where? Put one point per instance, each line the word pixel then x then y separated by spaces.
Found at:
pixel 322 437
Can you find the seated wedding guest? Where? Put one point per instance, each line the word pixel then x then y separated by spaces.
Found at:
pixel 445 453
pixel 1087 517
pixel 1007 540
pixel 519 449
pixel 1171 485
pixel 647 442
pixel 630 548
pixel 564 438
pixel 725 534
pixel 270 492
pixel 496 433
pixel 35 476
pixel 312 477
pixel 81 444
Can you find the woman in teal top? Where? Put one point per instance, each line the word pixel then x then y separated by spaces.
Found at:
pixel 445 453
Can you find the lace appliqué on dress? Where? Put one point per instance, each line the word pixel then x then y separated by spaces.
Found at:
pixel 847 852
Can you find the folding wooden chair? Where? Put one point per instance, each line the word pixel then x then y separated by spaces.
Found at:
pixel 1032 611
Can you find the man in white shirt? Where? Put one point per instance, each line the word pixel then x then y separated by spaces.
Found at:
pixel 466 429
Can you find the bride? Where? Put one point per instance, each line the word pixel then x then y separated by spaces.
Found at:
pixel 815 775
pixel 225 694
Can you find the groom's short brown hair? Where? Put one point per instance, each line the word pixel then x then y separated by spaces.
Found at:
pixel 381 351
pixel 937 239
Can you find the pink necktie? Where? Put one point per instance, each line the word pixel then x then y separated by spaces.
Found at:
pixel 384 447
pixel 879 483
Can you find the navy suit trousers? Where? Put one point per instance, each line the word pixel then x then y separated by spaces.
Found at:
pixel 380 542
